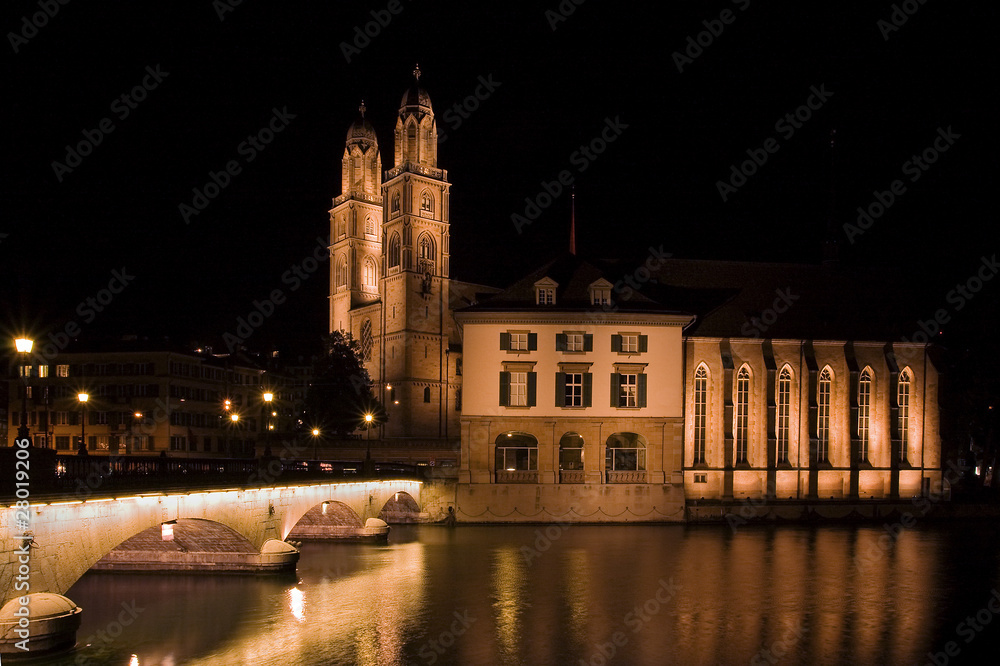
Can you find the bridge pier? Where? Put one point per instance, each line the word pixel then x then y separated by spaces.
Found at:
pixel 38 624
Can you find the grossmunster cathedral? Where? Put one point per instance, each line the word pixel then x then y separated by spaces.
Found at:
pixel 596 391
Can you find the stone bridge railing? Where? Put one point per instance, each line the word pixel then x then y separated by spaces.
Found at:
pixel 90 475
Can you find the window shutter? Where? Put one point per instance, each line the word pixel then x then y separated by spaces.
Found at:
pixel 588 389
pixel 588 342
pixel 532 386
pixel 504 389
pixel 641 390
pixel 560 389
pixel 505 341
pixel 532 341
pixel 643 343
pixel 616 343
pixel 560 342
pixel 614 389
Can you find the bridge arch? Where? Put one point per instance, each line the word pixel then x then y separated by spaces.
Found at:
pixel 68 538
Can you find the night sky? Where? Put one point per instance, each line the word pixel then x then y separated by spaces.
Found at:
pixel 888 91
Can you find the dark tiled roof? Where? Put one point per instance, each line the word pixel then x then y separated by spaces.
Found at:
pixel 740 299
pixel 573 276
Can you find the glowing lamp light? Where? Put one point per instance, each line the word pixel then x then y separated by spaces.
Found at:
pixel 24 345
pixel 82 397
pixel 234 417
pixel 138 415
pixel 167 530
pixel 268 397
pixel 315 432
pixel 227 404
pixel 368 418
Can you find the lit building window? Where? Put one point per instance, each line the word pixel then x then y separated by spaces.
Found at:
pixel 516 451
pixel 742 414
pixel 823 415
pixel 864 410
pixel 518 389
pixel 784 413
pixel 370 281
pixel 903 396
pixel 574 342
pixel 518 342
pixel 426 203
pixel 628 385
pixel 700 413
pixel 62 371
pixel 574 389
pixel 545 296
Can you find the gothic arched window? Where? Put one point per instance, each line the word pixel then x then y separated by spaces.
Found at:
pixel 342 272
pixel 864 410
pixel 784 413
pixel 395 202
pixel 426 202
pixel 370 282
pixel 700 412
pixel 903 397
pixel 370 225
pixel 823 397
pixel 394 251
pixel 742 414
pixel 426 256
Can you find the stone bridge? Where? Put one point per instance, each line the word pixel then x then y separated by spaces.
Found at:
pixel 69 537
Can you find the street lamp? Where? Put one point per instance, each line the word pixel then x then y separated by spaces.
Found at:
pixel 369 468
pixel 23 346
pixel 268 397
pixel 234 419
pixel 315 434
pixel 135 438
pixel 83 397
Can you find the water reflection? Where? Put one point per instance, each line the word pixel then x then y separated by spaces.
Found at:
pixel 490 595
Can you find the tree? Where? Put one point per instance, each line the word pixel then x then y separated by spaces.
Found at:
pixel 341 391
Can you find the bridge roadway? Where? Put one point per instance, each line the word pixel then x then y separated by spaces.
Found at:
pixel 73 525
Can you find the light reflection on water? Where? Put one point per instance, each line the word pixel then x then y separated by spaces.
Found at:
pixel 489 595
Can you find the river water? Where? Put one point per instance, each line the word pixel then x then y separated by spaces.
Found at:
pixel 576 595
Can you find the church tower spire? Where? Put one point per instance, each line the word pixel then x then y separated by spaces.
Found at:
pixel 416 129
pixel 416 314
pixel 355 225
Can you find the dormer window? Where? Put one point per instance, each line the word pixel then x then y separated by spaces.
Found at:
pixel 600 292
pixel 545 291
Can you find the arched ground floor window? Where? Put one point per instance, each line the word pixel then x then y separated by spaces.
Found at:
pixel 516 457
pixel 625 458
pixel 571 458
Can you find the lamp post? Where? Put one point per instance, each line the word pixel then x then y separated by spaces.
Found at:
pixel 315 434
pixel 137 418
pixel 83 397
pixel 234 419
pixel 226 405
pixel 23 346
pixel 268 397
pixel 369 467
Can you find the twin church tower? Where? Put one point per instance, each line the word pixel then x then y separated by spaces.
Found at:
pixel 389 271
